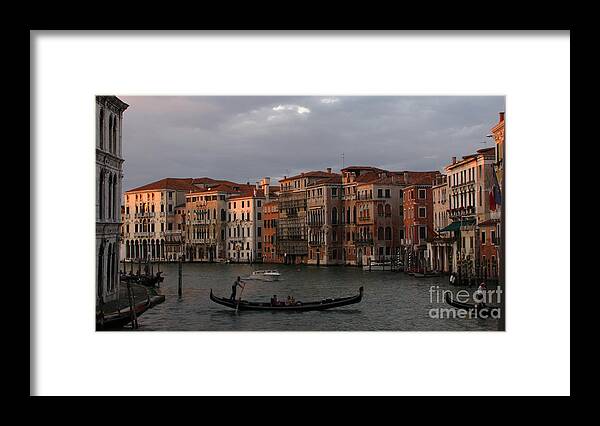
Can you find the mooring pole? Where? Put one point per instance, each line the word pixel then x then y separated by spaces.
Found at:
pixel 180 283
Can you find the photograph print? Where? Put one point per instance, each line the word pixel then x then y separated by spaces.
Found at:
pixel 300 213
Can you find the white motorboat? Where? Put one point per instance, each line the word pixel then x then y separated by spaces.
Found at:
pixel 266 275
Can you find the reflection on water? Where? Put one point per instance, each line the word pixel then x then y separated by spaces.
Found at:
pixel 392 301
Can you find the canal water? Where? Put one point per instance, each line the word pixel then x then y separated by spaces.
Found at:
pixel 391 301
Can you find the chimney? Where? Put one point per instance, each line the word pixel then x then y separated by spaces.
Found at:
pixel 501 114
pixel 453 160
pixel 264 183
pixel 329 170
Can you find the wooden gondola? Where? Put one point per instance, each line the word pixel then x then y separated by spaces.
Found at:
pixel 118 320
pixel 320 305
pixel 485 310
pixel 146 280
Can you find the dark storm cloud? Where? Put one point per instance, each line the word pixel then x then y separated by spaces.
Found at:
pixel 245 138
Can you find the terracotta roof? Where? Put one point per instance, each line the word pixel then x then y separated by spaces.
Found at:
pixel 211 181
pixel 316 173
pixel 177 184
pixel 248 193
pixel 420 177
pixel 369 177
pixel 487 151
pixel 352 168
pixel 335 179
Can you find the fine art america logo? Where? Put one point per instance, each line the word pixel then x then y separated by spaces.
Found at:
pixel 482 303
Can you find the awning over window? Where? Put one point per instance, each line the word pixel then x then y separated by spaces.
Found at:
pixel 455 226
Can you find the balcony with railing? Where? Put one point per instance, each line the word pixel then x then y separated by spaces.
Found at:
pixel 461 212
pixel 144 214
pixel 143 234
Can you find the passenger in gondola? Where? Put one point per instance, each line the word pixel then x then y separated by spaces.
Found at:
pixel 274 300
pixel 288 302
pixel 236 283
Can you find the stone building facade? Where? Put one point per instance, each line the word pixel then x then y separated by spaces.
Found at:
pixel 245 226
pixel 440 247
pixel 270 223
pixel 152 228
pixel 109 176
pixel 206 222
pixel 292 235
pixel 324 204
pixel 418 224
pixel 379 222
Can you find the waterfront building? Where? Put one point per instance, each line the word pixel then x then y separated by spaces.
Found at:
pixel 441 245
pixel 418 224
pixel 245 225
pixel 468 204
pixel 352 253
pixel 324 204
pixel 378 203
pixel 152 228
pixel 207 221
pixel 488 215
pixel 498 132
pixel 175 237
pixel 270 223
pixel 461 211
pixel 373 214
pixel 109 176
pixel 292 241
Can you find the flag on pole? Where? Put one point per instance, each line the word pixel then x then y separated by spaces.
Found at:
pixel 495 193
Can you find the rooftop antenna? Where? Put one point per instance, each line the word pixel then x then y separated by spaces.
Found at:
pixel 343 160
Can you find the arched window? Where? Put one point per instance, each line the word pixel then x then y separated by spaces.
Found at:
pixel 354 215
pixel 109 267
pixel 101 129
pixel 113 279
pixel 380 233
pixel 348 215
pixel 110 196
pixel 110 133
pixel 101 195
pixel 223 215
pixel 114 148
pixel 100 289
pixel 334 214
pixel 115 198
pixel 388 210
pixel 380 209
pixel 388 233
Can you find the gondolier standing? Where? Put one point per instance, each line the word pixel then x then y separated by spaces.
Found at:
pixel 234 287
pixel 480 296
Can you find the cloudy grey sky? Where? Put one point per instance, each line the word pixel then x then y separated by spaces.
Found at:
pixel 248 137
